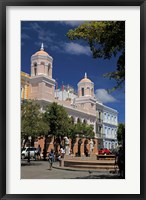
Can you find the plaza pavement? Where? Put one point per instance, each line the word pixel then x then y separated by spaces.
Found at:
pixel 40 170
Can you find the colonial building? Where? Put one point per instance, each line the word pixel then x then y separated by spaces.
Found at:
pixel 25 78
pixel 83 105
pixel 110 127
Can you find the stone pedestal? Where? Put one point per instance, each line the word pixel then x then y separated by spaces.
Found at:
pixel 93 156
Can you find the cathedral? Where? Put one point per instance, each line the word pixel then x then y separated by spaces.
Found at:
pixel 83 105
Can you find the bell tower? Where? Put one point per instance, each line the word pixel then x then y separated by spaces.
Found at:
pixel 42 85
pixel 85 87
pixel 86 94
pixel 41 63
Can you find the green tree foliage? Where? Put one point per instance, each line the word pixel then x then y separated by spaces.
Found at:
pixel 29 118
pixel 106 39
pixel 32 123
pixel 58 120
pixel 121 133
pixel 88 131
pixel 81 130
pixel 59 123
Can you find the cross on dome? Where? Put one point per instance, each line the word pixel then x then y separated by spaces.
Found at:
pixel 42 47
pixel 85 79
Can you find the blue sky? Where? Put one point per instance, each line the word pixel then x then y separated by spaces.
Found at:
pixel 71 59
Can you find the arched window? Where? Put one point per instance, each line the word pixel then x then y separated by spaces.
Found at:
pixel 72 119
pixel 115 120
pixel 82 90
pixel 105 117
pixel 109 132
pixel 84 121
pixel 49 68
pixel 35 69
pixel 92 92
pixel 105 130
pixel 88 91
pixel 78 120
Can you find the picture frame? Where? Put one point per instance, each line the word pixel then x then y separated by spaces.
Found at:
pixel 4 112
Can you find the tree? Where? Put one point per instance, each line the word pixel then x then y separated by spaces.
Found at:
pixel 81 130
pixel 88 131
pixel 72 133
pixel 106 39
pixel 121 133
pixel 59 123
pixel 121 155
pixel 32 123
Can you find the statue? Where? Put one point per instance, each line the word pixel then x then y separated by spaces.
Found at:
pixel 91 143
pixel 67 149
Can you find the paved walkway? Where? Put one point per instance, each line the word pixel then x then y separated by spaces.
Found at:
pixel 40 170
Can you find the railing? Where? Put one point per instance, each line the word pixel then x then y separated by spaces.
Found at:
pixel 100 121
pixel 110 138
pixel 100 135
pixel 110 122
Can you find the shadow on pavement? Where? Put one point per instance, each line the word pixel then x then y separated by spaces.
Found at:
pixel 99 177
pixel 31 164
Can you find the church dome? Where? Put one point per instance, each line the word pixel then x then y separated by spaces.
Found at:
pixel 85 80
pixel 41 52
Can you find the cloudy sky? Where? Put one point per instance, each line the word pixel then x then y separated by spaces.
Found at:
pixel 71 59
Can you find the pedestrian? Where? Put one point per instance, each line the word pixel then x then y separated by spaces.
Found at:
pixel 121 162
pixel 51 159
pixel 28 157
pixel 44 153
pixel 39 152
pixel 59 159
pixel 62 152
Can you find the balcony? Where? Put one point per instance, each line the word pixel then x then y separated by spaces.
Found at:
pixel 100 135
pixel 110 138
pixel 99 121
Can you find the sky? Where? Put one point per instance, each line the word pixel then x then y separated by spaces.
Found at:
pixel 71 59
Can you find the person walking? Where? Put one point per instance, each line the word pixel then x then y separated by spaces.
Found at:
pixel 121 162
pixel 39 152
pixel 62 152
pixel 51 159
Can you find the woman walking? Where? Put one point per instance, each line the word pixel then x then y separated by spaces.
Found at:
pixel 51 159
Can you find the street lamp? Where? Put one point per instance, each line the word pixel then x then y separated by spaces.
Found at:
pixel 28 149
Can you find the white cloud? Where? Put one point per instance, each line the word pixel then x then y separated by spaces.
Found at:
pixel 56 48
pixel 76 49
pixel 72 23
pixel 44 35
pixel 103 96
pixel 51 40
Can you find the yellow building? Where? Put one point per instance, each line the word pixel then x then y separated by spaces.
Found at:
pixel 24 85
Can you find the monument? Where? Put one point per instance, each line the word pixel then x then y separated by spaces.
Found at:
pixel 67 149
pixel 91 143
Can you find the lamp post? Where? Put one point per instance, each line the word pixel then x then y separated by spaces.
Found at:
pixel 29 138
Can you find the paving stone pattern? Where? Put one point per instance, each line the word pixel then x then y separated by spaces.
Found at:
pixel 40 170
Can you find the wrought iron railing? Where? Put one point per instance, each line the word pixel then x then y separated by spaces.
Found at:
pixel 100 135
pixel 100 121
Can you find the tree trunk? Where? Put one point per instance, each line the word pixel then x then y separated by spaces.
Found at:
pixel 45 148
